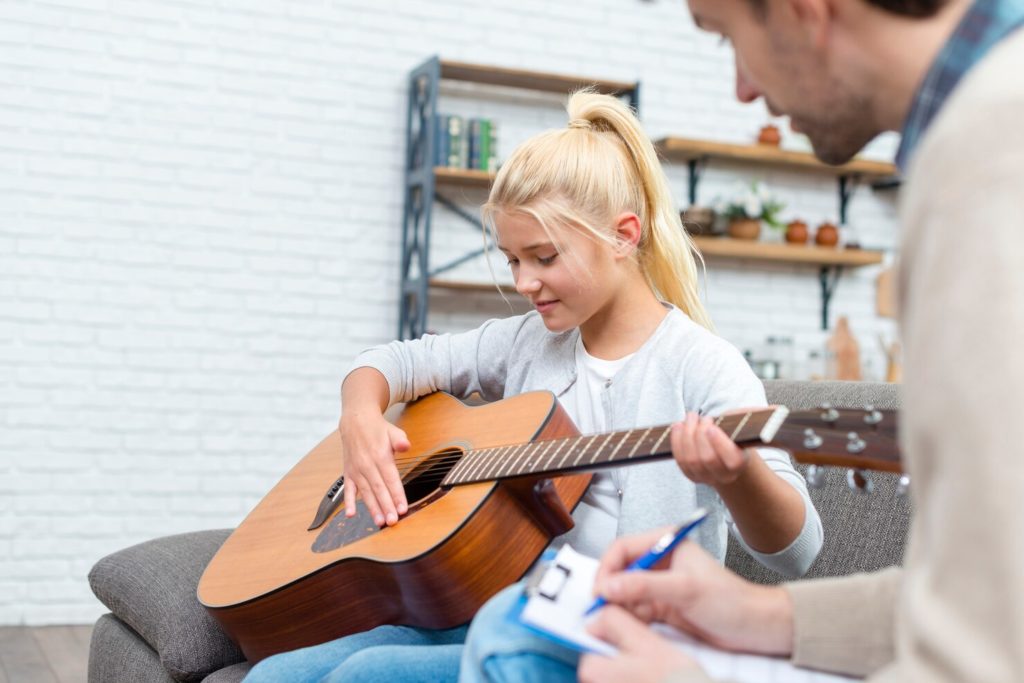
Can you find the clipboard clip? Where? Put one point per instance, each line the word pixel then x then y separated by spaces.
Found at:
pixel 547 578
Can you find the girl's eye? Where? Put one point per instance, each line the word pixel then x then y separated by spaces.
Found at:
pixel 547 260
pixel 513 262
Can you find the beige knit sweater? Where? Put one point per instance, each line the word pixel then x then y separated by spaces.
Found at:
pixel 956 612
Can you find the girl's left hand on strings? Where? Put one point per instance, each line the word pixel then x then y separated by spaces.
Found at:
pixel 704 453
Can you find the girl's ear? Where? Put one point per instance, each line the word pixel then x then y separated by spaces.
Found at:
pixel 627 233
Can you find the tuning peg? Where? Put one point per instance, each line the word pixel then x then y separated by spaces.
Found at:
pixel 903 486
pixel 859 481
pixel 812 440
pixel 855 444
pixel 871 416
pixel 828 413
pixel 815 477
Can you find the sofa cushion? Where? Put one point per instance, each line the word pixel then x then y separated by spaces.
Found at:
pixel 152 588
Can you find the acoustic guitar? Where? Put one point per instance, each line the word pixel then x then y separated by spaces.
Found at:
pixel 482 508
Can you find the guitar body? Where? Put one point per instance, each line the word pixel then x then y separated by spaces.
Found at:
pixel 275 585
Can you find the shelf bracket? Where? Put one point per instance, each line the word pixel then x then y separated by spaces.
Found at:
pixel 848 184
pixel 696 167
pixel 829 278
pixel 458 211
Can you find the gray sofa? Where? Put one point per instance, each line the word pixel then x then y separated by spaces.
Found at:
pixel 157 631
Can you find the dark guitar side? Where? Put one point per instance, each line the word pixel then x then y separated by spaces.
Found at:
pixel 272 593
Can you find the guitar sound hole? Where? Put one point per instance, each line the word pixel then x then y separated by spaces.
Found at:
pixel 423 479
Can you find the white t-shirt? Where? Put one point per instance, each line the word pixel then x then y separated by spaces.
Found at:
pixel 598 512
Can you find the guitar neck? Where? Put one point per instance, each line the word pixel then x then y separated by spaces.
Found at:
pixel 597 451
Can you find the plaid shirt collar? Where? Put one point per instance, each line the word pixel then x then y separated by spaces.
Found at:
pixel 985 24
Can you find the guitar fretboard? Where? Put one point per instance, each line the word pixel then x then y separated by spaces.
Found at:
pixel 595 451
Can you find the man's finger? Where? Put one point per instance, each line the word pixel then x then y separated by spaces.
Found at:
pixel 623 551
pixel 619 628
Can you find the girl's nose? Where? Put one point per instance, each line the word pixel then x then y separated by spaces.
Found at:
pixel 526 283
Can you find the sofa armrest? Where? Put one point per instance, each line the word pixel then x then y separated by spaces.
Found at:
pixel 151 587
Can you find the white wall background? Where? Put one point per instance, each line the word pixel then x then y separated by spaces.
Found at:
pixel 200 207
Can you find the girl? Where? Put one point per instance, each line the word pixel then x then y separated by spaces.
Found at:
pixel 620 336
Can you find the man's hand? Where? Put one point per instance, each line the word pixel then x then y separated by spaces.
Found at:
pixel 698 596
pixel 643 656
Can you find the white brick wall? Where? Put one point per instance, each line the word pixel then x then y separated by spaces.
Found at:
pixel 199 228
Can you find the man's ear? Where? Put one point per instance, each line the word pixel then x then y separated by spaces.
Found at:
pixel 628 232
pixel 814 18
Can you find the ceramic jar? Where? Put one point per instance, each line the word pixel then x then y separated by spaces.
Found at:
pixel 769 135
pixel 797 232
pixel 827 235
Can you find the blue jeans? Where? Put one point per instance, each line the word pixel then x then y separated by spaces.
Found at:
pixel 499 649
pixel 387 653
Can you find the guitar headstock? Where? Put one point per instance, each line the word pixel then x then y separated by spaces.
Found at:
pixel 860 439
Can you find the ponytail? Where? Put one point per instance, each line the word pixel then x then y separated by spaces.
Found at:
pixel 600 165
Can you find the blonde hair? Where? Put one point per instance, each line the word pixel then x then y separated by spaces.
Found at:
pixel 584 175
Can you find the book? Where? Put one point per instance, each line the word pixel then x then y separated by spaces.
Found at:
pixel 483 152
pixel 560 590
pixel 449 141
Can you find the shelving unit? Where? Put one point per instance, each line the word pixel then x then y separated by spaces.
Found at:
pixel 830 260
pixel 422 180
pixel 697 154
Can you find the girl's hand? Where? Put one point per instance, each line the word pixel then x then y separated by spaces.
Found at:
pixel 370 443
pixel 704 453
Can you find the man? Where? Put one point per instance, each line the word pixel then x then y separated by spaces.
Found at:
pixel 950 76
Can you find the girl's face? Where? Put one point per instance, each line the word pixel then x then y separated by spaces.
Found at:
pixel 568 281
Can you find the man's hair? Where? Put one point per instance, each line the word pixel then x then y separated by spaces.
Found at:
pixel 910 8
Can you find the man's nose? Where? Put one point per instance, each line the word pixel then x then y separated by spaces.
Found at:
pixel 746 91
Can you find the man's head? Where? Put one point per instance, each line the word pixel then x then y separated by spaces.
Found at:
pixel 813 60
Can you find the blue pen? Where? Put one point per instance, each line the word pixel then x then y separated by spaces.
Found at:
pixel 664 546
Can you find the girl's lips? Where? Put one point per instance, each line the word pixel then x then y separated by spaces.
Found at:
pixel 545 306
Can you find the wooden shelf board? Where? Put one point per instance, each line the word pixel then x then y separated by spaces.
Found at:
pixel 786 253
pixel 462 176
pixel 532 80
pixel 464 286
pixel 685 149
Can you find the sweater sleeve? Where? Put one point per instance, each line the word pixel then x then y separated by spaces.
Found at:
pixel 845 625
pixel 460 364
pixel 731 384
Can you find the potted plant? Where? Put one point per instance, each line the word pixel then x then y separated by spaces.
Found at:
pixel 749 207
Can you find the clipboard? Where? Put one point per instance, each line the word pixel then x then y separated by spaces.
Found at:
pixel 558 592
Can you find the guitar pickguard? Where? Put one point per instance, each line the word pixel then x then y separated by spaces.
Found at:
pixel 341 530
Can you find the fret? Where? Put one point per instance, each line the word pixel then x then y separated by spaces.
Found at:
pixel 618 446
pixel 583 449
pixel 600 448
pixel 507 460
pixel 486 458
pixel 541 455
pixel 740 426
pixel 639 441
pixel 487 463
pixel 561 445
pixel 512 461
pixel 658 442
pixel 455 475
